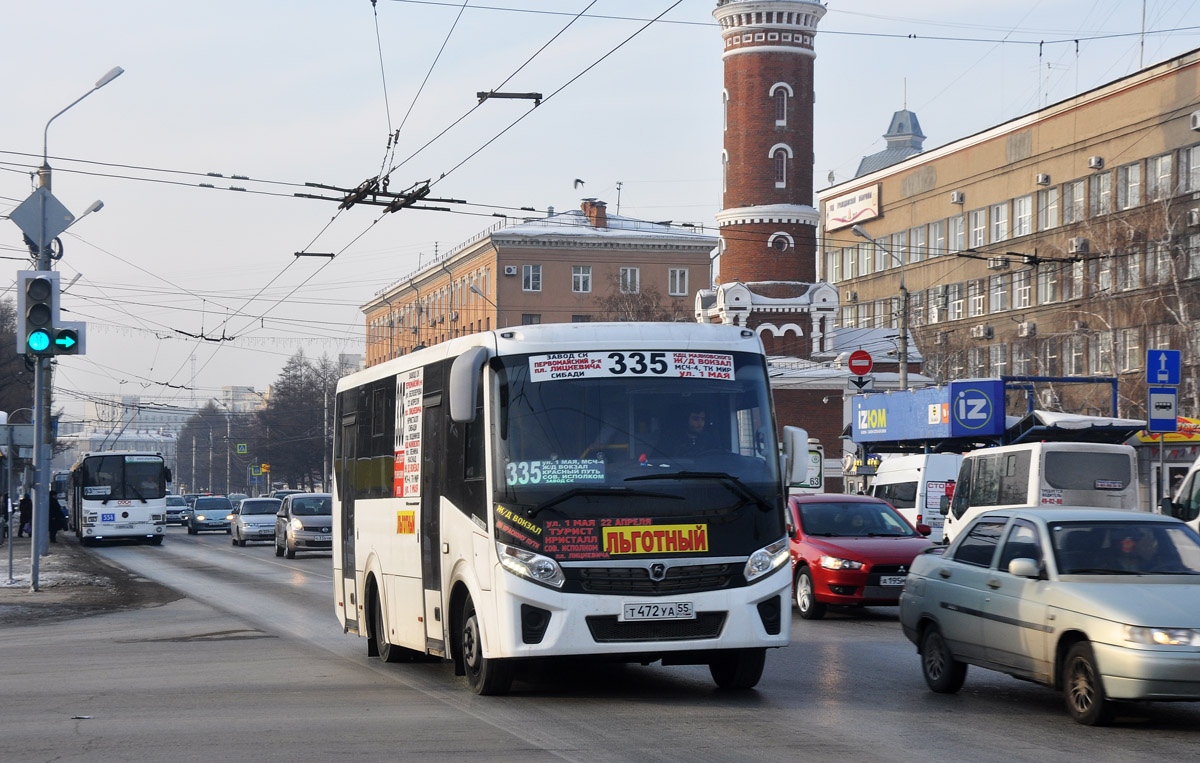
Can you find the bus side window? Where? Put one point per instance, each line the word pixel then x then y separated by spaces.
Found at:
pixel 962 489
pixel 1190 499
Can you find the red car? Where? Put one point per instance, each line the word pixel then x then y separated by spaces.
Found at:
pixel 849 550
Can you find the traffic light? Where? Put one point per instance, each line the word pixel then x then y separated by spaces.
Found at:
pixel 37 311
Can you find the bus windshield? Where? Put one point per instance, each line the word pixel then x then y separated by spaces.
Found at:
pixel 123 477
pixel 595 434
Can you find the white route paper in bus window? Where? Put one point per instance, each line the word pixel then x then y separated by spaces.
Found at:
pixel 642 363
pixel 141 459
pixel 406 479
pixel 91 491
pixel 565 472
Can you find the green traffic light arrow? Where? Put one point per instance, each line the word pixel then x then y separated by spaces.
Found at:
pixel 67 341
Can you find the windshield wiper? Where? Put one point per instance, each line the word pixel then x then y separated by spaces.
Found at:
pixel 136 492
pixel 601 491
pixel 733 483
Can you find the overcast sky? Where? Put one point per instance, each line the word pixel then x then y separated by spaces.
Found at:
pixel 285 93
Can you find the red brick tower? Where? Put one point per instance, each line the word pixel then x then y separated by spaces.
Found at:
pixel 768 224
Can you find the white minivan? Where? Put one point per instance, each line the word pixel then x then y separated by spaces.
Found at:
pixel 914 486
pixel 1043 475
pixel 1186 503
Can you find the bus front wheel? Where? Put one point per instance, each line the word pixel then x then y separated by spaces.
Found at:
pixel 485 676
pixel 738 668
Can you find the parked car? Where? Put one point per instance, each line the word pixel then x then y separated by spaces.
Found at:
pixel 176 505
pixel 210 512
pixel 253 519
pixel 304 522
pixel 1102 604
pixel 849 550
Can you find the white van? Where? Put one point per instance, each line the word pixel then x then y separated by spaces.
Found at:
pixel 1186 503
pixel 914 486
pixel 1043 475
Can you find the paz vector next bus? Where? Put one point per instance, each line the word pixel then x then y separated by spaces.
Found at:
pixel 602 490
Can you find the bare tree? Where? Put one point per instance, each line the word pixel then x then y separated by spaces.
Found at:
pixel 645 304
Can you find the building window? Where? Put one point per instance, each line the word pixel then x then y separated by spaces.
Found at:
pixel 1160 178
pixel 781 97
pixel 581 279
pixel 1047 209
pixel 1072 349
pixel 976 228
pixel 998 359
pixel 1022 216
pixel 899 249
pixel 937 298
pixel 1130 349
pixel 1158 263
pixel 1100 353
pixel 833 266
pixel 977 360
pixel 1021 361
pixel 677 282
pixel 581 319
pixel 976 299
pixel 937 238
pixel 998 292
pixel 850 258
pixel 1073 202
pixel 1020 290
pixel 1129 271
pixel 1100 196
pixel 1193 256
pixel 999 222
pixel 1047 356
pixel 864 258
pixel 531 277
pixel 916 244
pixel 957 241
pixel 956 298
pixel 916 307
pixel 630 281
pixel 530 319
pixel 780 157
pixel 1160 337
pixel 1047 286
pixel 1103 280
pixel 1129 186
pixel 1189 168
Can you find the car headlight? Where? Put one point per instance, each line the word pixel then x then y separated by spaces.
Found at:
pixel 834 563
pixel 296 524
pixel 1162 636
pixel 538 568
pixel 766 559
pixel 229 517
pixel 200 517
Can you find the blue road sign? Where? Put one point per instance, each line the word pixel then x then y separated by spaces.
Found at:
pixel 1162 367
pixel 1163 409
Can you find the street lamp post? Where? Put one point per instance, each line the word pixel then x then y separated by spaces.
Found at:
pixel 902 352
pixel 499 312
pixel 41 369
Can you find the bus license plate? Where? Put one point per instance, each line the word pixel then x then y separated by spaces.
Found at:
pixel 660 610
pixel 888 580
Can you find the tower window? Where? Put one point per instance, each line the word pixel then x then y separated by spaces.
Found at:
pixel 781 169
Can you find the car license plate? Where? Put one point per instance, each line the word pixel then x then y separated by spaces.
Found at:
pixel 888 580
pixel 659 610
pixel 322 537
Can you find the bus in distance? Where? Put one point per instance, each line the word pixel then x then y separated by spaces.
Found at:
pixel 595 490
pixel 118 495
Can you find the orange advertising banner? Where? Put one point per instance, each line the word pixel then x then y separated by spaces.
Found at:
pixel 1189 431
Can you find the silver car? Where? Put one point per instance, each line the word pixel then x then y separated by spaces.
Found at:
pixel 304 523
pixel 209 512
pixel 1101 604
pixel 253 519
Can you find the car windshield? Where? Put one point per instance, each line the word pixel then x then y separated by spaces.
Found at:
pixel 259 507
pixel 1125 548
pixel 852 519
pixel 122 477
pixel 176 500
pixel 312 506
pixel 213 504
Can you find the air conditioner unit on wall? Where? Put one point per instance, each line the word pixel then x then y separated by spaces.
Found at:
pixel 1043 179
pixel 940 337
pixel 1193 218
pixel 1096 162
pixel 510 270
pixel 1078 325
pixel 1027 329
pixel 981 332
pixel 997 263
pixel 1049 398
pixel 1196 121
pixel 958 197
pixel 1077 245
pixel 851 296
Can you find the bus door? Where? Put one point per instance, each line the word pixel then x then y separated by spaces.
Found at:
pixel 433 434
pixel 348 487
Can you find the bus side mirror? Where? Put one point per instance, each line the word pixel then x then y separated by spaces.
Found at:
pixel 464 381
pixel 1168 508
pixel 167 473
pixel 944 505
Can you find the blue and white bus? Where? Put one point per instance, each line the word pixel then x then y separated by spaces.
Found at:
pixel 119 494
pixel 537 492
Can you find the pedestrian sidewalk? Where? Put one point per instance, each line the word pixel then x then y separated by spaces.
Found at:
pixel 73 581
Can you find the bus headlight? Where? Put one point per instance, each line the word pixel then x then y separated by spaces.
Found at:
pixel 766 559
pixel 538 568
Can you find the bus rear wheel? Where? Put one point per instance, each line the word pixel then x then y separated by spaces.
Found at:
pixel 485 676
pixel 738 668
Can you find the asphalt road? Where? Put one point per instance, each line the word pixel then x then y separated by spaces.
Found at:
pixel 252 664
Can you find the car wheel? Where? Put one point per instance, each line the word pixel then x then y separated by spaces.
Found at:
pixel 290 553
pixel 191 530
pixel 806 597
pixel 1084 691
pixel 738 668
pixel 485 676
pixel 278 548
pixel 943 673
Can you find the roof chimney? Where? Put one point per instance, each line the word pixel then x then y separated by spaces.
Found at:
pixel 596 212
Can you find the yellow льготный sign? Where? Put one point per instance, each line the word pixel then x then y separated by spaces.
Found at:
pixel 655 539
pixel 406 522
